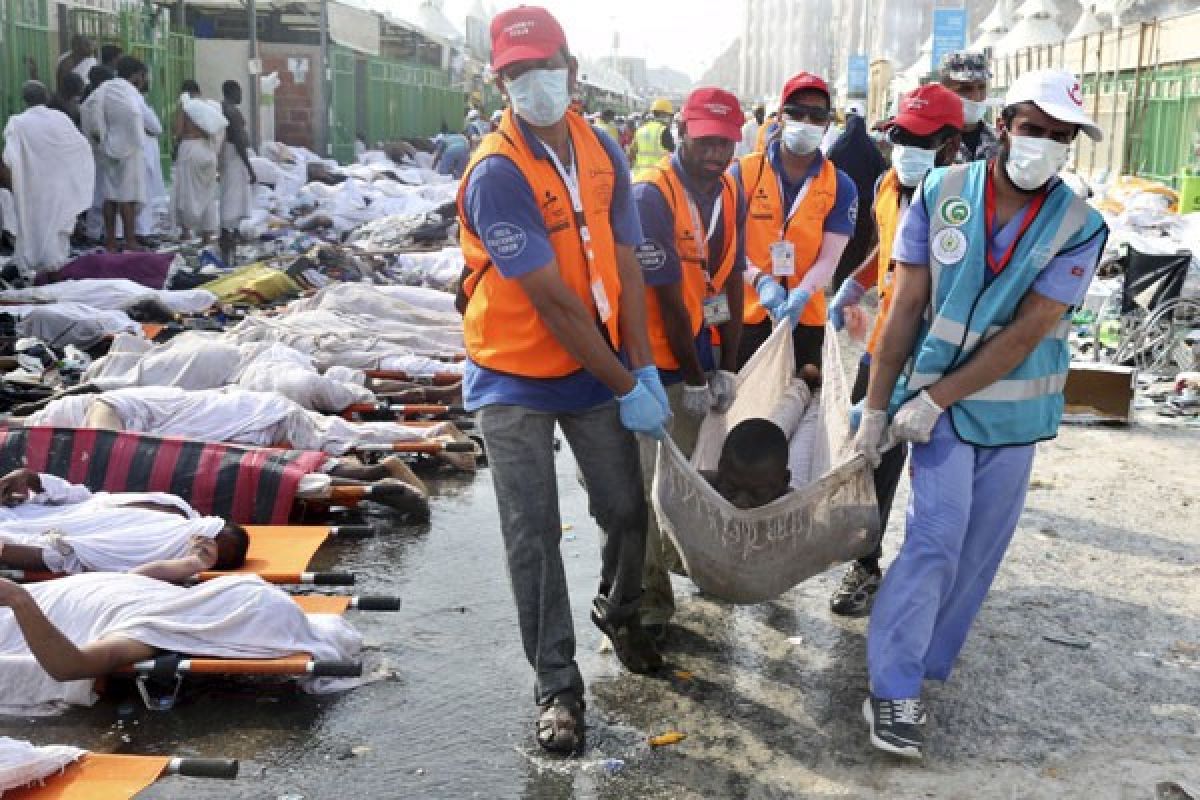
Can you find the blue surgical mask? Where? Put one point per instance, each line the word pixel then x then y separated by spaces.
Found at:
pixel 802 138
pixel 912 163
pixel 540 96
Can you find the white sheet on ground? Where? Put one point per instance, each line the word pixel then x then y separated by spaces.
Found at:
pixel 22 764
pixel 53 175
pixel 111 294
pixel 60 324
pixel 421 297
pixel 237 616
pixel 752 555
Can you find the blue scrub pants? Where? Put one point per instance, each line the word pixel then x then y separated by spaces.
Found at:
pixel 962 514
pixel 454 161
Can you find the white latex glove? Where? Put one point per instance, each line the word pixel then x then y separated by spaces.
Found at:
pixel 869 439
pixel 915 420
pixel 697 400
pixel 724 389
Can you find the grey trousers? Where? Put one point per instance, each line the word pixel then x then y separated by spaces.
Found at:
pixel 520 453
pixel 658 604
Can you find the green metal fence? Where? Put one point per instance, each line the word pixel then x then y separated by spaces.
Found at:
pixel 342 65
pixel 404 100
pixel 1168 124
pixel 25 51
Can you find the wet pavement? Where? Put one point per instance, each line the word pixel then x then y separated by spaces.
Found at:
pixel 768 695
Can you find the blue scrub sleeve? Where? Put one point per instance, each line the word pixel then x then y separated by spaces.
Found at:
pixel 656 253
pixel 502 212
pixel 1067 277
pixel 844 214
pixel 912 237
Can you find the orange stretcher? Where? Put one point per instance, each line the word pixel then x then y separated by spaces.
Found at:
pixel 436 379
pixel 103 776
pixel 403 411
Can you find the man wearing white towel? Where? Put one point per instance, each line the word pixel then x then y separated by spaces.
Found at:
pixel 237 175
pixel 194 188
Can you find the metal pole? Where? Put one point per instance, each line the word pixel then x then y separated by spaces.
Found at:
pixel 326 83
pixel 252 93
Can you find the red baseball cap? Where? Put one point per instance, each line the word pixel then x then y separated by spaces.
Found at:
pixel 709 111
pixel 805 80
pixel 525 33
pixel 929 108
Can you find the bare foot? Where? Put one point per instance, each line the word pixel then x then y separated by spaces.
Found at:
pixel 398 468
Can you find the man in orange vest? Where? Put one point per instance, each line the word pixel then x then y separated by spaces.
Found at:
pixel 801 214
pixel 553 293
pixel 924 134
pixel 692 262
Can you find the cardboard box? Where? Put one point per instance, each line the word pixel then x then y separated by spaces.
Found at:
pixel 1099 393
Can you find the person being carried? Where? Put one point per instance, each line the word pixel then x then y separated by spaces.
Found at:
pixel 50 525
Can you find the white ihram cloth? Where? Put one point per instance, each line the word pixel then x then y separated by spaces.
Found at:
pixel 237 616
pixel 80 531
pixel 112 294
pixel 22 764
pixel 112 118
pixel 53 173
pixel 195 192
pixel 156 190
pixel 236 191
pixel 231 415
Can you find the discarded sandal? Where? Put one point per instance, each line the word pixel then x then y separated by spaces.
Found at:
pixel 561 726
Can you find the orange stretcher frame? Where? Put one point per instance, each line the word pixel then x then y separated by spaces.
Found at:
pixel 107 776
pixel 436 379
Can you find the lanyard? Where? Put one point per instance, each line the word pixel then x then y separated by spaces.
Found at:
pixel 989 205
pixel 800 195
pixel 570 179
pixel 702 244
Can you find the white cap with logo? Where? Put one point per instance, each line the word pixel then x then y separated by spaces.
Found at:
pixel 1056 92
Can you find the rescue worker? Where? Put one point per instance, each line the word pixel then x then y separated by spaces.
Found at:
pixel 801 215
pixel 967 75
pixel 692 262
pixel 970 369
pixel 768 130
pixel 924 134
pixel 653 139
pixel 553 290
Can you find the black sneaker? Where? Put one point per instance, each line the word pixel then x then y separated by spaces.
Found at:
pixel 857 592
pixel 896 725
pixel 633 646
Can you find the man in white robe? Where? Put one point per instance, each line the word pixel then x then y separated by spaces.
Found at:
pixel 199 129
pixel 112 118
pixel 156 189
pixel 237 174
pixel 52 174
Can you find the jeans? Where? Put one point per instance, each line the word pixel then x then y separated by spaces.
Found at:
pixel 520 449
pixel 965 504
pixel 658 603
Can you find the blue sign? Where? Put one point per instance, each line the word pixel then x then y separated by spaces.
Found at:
pixel 856 76
pixel 949 33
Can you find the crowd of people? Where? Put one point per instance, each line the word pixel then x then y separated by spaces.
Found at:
pixel 618 273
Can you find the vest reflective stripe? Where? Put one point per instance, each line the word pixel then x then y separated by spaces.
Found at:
pixel 694 284
pixel 887 221
pixel 501 327
pixel 649 145
pixel 764 223
pixel 967 309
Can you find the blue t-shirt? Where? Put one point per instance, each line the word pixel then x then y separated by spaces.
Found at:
pixel 659 257
pixel 502 211
pixel 844 214
pixel 1064 280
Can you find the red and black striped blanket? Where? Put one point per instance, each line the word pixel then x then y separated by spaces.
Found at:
pixel 246 485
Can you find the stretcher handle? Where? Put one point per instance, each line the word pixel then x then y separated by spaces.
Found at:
pixel 417 447
pixel 376 602
pixel 225 769
pixel 351 531
pixel 436 379
pixel 333 579
pixel 404 408
pixel 336 669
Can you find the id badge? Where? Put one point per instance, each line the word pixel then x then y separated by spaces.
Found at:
pixel 601 300
pixel 716 310
pixel 783 259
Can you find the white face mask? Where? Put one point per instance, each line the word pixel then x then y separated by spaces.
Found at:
pixel 1032 161
pixel 802 138
pixel 540 96
pixel 912 163
pixel 973 112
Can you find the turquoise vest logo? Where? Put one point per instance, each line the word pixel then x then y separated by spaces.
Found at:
pixel 955 211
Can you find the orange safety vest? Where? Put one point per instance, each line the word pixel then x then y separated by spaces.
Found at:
pixel 887 221
pixel 695 283
pixel 760 138
pixel 765 223
pixel 502 329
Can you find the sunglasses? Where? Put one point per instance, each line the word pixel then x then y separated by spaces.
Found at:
pixel 817 115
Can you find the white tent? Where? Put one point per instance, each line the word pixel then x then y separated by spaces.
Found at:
pixel 911 78
pixel 1087 24
pixel 1036 25
pixel 992 29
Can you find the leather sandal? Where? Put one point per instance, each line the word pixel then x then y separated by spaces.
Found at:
pixel 561 726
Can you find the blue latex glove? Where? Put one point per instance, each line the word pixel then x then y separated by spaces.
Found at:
pixel 797 299
pixel 649 376
pixel 641 412
pixel 856 415
pixel 849 294
pixel 770 294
